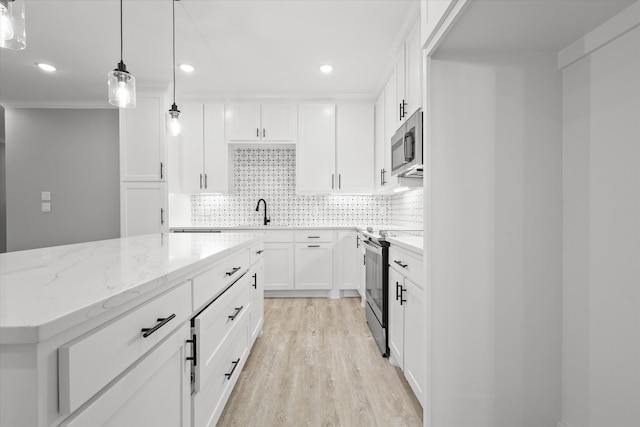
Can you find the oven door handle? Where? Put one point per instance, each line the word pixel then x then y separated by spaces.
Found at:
pixel 373 248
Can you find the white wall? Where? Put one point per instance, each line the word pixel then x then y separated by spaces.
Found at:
pixel 601 299
pixel 495 233
pixel 74 155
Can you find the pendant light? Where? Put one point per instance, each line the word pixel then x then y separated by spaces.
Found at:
pixel 12 25
pixel 122 85
pixel 173 115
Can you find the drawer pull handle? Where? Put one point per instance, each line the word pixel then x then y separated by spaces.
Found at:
pixel 232 272
pixel 402 291
pixel 194 350
pixel 259 252
pixel 235 365
pixel 313 237
pixel 400 263
pixel 255 281
pixel 163 321
pixel 236 312
pixel 313 246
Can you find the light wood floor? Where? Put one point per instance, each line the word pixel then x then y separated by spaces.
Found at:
pixel 317 365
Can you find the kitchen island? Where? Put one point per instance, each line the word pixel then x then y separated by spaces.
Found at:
pixel 84 327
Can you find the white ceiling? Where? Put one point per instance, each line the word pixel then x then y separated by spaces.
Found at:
pixel 238 47
pixel 544 25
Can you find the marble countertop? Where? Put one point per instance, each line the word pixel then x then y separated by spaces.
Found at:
pixel 412 243
pixel 263 227
pixel 46 291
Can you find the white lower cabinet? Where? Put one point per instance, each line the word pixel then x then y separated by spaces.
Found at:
pixel 348 260
pixel 314 266
pixel 256 289
pixel 143 208
pixel 278 266
pixel 154 392
pixel 406 329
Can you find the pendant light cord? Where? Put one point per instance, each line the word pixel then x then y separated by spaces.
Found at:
pixel 173 3
pixel 121 43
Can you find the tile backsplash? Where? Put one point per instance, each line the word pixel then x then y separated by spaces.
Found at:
pixel 269 173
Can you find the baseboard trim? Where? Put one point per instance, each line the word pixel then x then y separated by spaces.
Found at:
pixel 330 293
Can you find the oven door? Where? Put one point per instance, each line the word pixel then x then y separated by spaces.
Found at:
pixel 374 281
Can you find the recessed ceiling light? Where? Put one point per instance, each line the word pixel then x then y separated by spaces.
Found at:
pixel 326 69
pixel 46 67
pixel 186 68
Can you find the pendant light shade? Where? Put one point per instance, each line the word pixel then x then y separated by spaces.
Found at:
pixel 12 25
pixel 122 84
pixel 173 125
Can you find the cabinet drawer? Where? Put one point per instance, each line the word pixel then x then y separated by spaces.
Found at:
pixel 314 236
pixel 209 284
pixel 278 236
pixel 407 264
pixel 215 325
pixel 209 402
pixel 90 362
pixel 256 252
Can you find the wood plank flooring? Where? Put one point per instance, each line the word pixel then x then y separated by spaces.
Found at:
pixel 317 365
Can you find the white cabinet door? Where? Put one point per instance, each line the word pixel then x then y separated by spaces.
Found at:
pixel 142 146
pixel 413 83
pixel 401 100
pixel 315 154
pixel 142 208
pixel 257 299
pixel 414 338
pixel 396 318
pixel 347 261
pixel 380 146
pixel 314 266
pixel 243 121
pixel 155 392
pixel 278 122
pixel 354 147
pixel 278 266
pixel 216 179
pixel 191 143
pixel 391 119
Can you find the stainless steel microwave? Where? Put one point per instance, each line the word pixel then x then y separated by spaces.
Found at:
pixel 406 148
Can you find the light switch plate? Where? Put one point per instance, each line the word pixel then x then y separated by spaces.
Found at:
pixel 46 195
pixel 46 207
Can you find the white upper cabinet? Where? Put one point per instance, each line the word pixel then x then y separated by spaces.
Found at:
pixel 433 15
pixel 142 141
pixel 380 146
pixel 203 149
pixel 407 78
pixel 261 122
pixel 335 148
pixel 315 154
pixel 354 148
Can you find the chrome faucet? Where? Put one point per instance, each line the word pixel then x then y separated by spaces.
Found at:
pixel 266 221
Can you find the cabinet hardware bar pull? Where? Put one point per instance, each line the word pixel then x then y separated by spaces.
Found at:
pixel 400 111
pixel 264 133
pixel 384 172
pixel 236 312
pixel 397 291
pixel 404 111
pixel 257 132
pixel 235 365
pixel 357 241
pixel 232 272
pixel 402 291
pixel 364 259
pixel 163 321
pixel 313 237
pixel 332 181
pixel 400 263
pixel 161 216
pixel 194 350
pixel 313 246
pixel 206 185
pixel 200 180
pixel 339 180
pixel 259 252
pixel 255 281
pixel 161 170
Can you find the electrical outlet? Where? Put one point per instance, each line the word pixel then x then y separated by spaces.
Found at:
pixel 46 195
pixel 46 207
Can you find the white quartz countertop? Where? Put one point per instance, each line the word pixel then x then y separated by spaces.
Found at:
pixel 412 243
pixel 262 227
pixel 46 291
